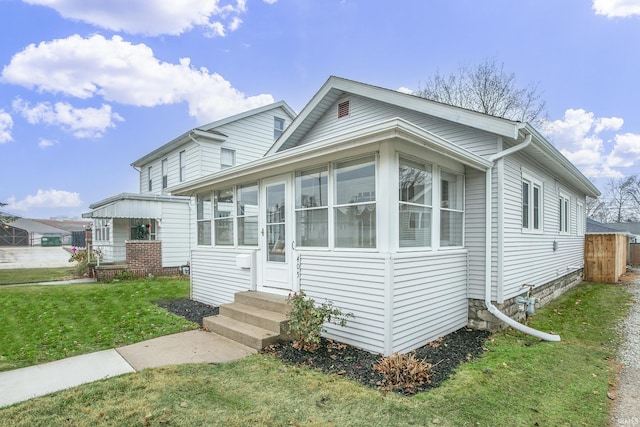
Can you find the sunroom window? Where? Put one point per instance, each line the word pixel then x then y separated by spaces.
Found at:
pixel 355 203
pixel 247 213
pixel 203 216
pixel 223 216
pixel 451 209
pixel 312 208
pixel 415 203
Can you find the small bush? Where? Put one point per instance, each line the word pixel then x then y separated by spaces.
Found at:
pixel 403 372
pixel 79 256
pixel 306 320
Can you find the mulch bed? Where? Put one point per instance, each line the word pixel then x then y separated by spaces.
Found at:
pixel 444 354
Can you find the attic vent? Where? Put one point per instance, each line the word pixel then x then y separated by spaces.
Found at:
pixel 343 109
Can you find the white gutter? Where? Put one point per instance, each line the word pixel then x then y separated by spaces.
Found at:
pixel 487 277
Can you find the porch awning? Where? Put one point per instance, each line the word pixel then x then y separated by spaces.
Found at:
pixel 128 205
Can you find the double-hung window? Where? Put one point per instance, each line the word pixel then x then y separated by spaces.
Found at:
pixel 415 204
pixel 203 212
pixel 278 127
pixel 181 166
pixel 165 176
pixel 451 209
pixel 580 219
pixel 564 205
pixel 150 178
pixel 355 203
pixel 227 158
pixel 312 208
pixel 531 204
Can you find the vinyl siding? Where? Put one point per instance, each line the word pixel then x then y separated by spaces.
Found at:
pixel 429 297
pixel 355 284
pixel 366 112
pixel 529 258
pixel 174 231
pixel 475 233
pixel 215 278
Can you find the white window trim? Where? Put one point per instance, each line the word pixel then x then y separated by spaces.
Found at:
pixel 232 153
pixel 533 182
pixel 564 215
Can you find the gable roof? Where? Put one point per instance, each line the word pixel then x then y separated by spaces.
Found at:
pixel 335 88
pixel 209 132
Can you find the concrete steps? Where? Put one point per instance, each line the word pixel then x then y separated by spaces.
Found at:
pixel 255 319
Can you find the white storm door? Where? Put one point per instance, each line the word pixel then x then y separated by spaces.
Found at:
pixel 277 235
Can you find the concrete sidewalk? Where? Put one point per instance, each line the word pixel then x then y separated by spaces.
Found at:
pixel 186 347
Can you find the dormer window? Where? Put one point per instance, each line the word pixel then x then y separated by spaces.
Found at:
pixel 278 127
pixel 344 108
pixel 227 158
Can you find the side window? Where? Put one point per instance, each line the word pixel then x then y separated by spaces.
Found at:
pixel 150 178
pixel 414 203
pixel 531 204
pixel 451 209
pixel 564 204
pixel 278 127
pixel 580 214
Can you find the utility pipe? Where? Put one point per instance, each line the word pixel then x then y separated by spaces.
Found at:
pixel 487 286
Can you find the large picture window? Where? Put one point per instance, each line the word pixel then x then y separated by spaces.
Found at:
pixel 203 216
pixel 312 208
pixel 451 209
pixel 531 204
pixel 223 216
pixel 355 203
pixel 415 204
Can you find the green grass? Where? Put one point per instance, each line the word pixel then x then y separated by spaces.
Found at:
pixel 45 323
pixel 35 275
pixel 520 381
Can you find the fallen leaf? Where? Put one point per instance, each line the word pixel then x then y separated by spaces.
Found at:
pixel 612 395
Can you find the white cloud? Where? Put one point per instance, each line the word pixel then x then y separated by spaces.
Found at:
pixel 122 72
pixel 405 90
pixel 45 198
pixel 579 137
pixel 626 151
pixel 616 8
pixel 6 123
pixel 270 1
pixel 46 143
pixel 81 122
pixel 148 17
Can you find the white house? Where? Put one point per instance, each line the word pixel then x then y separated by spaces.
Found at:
pixel 417 217
pixel 154 214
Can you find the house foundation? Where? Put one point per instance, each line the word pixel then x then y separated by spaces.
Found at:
pixel 480 318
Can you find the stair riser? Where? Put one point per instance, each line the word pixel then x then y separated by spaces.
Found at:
pixel 254 300
pixel 242 316
pixel 242 338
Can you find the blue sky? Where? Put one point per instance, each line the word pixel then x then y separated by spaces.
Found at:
pixel 89 86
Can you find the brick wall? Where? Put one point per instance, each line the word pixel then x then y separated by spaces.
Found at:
pixel 480 318
pixel 144 255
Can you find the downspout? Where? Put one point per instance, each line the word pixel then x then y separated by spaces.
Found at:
pixel 487 287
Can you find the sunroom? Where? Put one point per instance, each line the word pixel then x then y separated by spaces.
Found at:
pixel 373 221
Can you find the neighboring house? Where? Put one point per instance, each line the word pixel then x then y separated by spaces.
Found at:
pixel 632 228
pixel 154 214
pixel 413 215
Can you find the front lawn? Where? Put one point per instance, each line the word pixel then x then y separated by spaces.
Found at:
pixel 35 275
pixel 45 323
pixel 519 381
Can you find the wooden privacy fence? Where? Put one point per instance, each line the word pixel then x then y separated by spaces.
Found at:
pixel 605 257
pixel 634 254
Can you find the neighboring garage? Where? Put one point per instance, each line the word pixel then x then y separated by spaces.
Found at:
pixel 27 232
pixel 13 236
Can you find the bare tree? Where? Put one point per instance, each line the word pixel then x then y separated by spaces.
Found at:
pixel 489 89
pixel 597 209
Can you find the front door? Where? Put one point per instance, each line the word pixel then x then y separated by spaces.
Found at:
pixel 277 237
